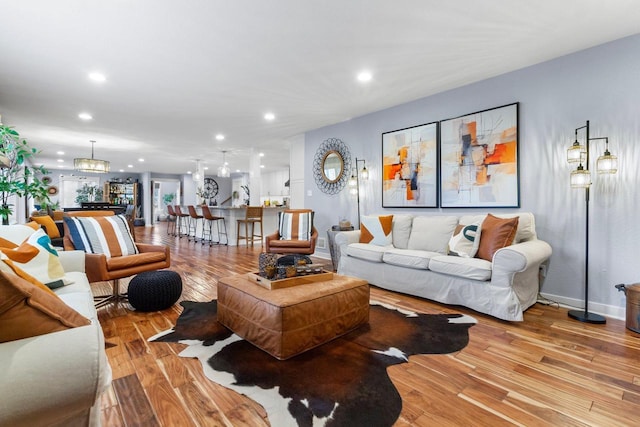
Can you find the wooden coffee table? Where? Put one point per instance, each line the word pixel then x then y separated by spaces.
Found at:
pixel 286 322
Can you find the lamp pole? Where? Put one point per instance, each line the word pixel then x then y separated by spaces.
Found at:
pixel 584 315
pixel 357 178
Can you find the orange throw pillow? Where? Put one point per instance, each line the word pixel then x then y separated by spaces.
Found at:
pixel 376 230
pixel 496 234
pixel 48 224
pixel 27 311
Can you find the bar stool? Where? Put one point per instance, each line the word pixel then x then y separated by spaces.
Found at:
pixel 182 222
pixel 194 216
pixel 172 219
pixel 211 219
pixel 253 216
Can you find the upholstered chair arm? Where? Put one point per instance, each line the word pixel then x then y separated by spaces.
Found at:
pixel 96 267
pixel 147 247
pixel 270 237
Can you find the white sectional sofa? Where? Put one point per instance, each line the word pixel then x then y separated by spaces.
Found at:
pixel 55 379
pixel 418 263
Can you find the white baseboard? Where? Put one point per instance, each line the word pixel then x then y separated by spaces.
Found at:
pixel 594 307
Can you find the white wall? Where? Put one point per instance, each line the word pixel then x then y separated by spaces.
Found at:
pixel 598 84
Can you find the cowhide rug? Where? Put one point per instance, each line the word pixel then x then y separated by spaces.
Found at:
pixel 341 383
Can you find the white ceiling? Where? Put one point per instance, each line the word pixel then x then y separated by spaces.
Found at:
pixel 179 72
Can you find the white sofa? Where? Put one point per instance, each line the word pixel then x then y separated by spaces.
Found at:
pixel 503 288
pixel 55 379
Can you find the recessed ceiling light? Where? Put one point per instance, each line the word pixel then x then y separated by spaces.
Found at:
pixel 97 77
pixel 238 170
pixel 60 161
pixel 60 153
pixel 85 116
pixel 206 168
pixel 121 170
pixel 129 166
pixel 141 160
pixel 261 154
pixel 219 137
pixel 189 172
pixel 269 116
pixel 364 76
pixel 262 166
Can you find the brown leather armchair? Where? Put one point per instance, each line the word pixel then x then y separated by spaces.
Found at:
pixel 303 247
pixel 99 267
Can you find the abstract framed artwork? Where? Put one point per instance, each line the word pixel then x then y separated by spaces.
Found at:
pixel 410 167
pixel 479 165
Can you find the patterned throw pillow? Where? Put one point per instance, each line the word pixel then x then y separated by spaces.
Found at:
pixel 36 261
pixel 109 235
pixel 27 310
pixel 295 225
pixel 465 240
pixel 376 230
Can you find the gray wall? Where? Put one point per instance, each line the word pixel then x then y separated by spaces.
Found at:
pixel 600 84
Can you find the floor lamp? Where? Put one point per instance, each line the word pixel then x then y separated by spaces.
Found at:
pixel 581 178
pixel 354 182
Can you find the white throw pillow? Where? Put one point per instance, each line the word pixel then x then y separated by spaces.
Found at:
pixel 465 240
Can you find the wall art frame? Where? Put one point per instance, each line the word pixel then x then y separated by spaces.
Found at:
pixel 410 167
pixel 479 159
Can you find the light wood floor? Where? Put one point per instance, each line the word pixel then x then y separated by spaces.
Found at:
pixel 547 370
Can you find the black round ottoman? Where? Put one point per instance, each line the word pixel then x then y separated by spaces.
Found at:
pixel 154 290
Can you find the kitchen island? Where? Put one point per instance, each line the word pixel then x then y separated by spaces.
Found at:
pixel 232 214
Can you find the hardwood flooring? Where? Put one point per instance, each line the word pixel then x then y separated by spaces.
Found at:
pixel 547 370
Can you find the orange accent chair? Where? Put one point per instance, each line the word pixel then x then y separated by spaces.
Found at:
pixel 303 247
pixel 99 267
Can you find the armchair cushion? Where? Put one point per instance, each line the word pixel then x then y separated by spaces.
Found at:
pixel 27 310
pixel 109 235
pixel 295 225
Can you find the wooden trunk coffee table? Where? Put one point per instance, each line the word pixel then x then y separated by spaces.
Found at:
pixel 288 321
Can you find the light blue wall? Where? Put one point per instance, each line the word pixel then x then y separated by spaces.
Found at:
pixel 600 84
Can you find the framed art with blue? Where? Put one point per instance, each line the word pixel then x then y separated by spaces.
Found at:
pixel 479 159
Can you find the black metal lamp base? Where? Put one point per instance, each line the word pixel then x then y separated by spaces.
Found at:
pixel 585 316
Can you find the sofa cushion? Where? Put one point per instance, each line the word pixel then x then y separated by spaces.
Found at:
pixel 365 251
pixel 27 311
pixel 469 268
pixel 401 230
pixel 408 258
pixel 432 233
pixel 376 230
pixel 496 234
pixel 526 224
pixel 465 240
pixel 109 235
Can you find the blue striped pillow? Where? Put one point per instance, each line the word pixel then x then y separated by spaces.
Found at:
pixel 109 235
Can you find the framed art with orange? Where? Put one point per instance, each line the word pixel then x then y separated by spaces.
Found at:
pixel 410 167
pixel 479 164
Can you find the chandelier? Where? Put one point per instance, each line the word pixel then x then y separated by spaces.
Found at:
pixel 224 171
pixel 91 165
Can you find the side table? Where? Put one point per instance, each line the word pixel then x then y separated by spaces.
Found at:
pixel 333 249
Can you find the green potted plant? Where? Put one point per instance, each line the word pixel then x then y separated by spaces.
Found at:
pixel 88 193
pixel 18 177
